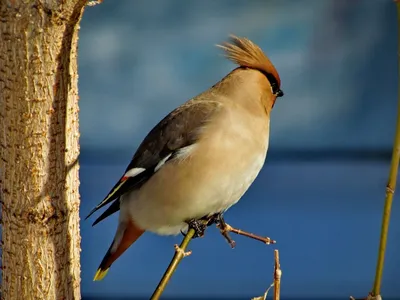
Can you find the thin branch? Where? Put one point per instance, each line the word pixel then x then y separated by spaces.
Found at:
pixel 375 294
pixel 391 186
pixel 277 276
pixel 229 228
pixel 179 254
pixel 264 297
pixel 277 280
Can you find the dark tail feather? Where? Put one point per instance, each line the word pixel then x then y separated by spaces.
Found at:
pixel 109 211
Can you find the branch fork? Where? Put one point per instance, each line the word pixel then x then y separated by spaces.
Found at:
pixel 181 252
pixel 200 225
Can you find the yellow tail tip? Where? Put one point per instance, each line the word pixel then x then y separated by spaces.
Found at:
pixel 100 274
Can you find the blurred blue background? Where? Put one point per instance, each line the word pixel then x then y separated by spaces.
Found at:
pixel 321 191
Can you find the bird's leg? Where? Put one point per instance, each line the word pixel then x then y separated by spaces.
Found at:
pixel 198 226
pixel 219 221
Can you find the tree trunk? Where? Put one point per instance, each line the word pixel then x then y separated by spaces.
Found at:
pixel 39 148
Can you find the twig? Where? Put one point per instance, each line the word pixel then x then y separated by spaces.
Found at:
pixel 229 228
pixel 277 276
pixel 179 254
pixel 370 297
pixel 375 294
pixel 277 280
pixel 391 186
pixel 264 297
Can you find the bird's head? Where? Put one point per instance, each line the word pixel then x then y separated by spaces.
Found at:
pixel 246 54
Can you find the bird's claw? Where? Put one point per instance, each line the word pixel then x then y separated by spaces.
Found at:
pixel 219 221
pixel 198 226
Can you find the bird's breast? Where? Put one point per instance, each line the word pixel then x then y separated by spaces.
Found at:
pixel 235 150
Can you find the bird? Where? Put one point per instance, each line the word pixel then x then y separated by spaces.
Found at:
pixel 200 159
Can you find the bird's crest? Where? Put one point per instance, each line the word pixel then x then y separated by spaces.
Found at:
pixel 245 53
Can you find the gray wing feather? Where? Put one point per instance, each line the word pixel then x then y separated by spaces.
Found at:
pixel 177 130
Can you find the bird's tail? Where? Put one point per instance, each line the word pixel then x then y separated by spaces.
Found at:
pixel 127 234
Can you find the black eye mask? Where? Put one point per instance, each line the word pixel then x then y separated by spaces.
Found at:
pixel 274 85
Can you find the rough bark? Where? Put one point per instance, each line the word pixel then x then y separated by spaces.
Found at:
pixel 39 148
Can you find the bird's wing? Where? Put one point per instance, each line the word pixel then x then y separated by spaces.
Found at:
pixel 177 130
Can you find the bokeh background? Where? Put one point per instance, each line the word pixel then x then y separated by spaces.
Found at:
pixel 321 191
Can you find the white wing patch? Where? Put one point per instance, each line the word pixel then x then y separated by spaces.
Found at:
pixel 133 172
pixel 181 154
pixel 185 151
pixel 162 162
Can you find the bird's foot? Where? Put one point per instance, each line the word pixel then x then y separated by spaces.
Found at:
pixel 216 219
pixel 198 226
pixel 219 221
